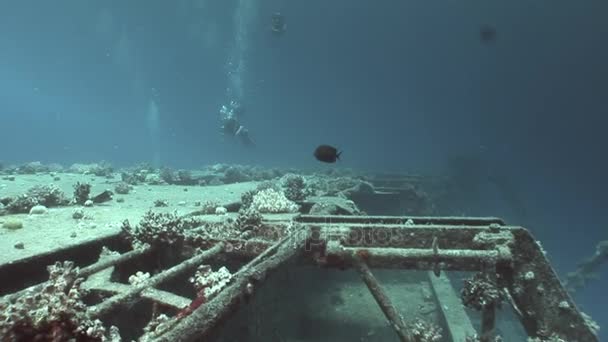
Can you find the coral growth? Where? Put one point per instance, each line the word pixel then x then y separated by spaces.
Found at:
pixel 159 228
pixel 207 284
pixel 234 174
pixel 122 188
pixel 46 195
pixel 138 278
pixel 101 169
pixel 181 177
pixel 56 313
pixel 294 187
pixel 424 331
pixel 248 219
pixel 480 292
pixel 81 192
pixel 272 201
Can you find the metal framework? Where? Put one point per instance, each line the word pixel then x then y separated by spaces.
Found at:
pixel 509 255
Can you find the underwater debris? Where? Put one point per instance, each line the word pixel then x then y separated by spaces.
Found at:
pixel 327 154
pixel 105 196
pixel 54 313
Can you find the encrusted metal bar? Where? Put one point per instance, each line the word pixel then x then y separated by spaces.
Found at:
pixel 488 313
pixel 199 324
pixel 121 299
pixel 164 298
pixel 416 220
pixel 413 236
pixel 88 270
pixel 387 307
pixel 113 261
pixel 239 247
pixel 423 243
pixel 546 307
pixel 456 319
pixel 418 259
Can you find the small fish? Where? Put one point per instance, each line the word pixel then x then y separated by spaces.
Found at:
pixel 327 154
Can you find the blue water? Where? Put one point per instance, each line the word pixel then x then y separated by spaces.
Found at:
pixel 398 85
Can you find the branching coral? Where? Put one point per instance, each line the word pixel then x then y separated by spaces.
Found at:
pixel 46 195
pixel 56 313
pixel 159 228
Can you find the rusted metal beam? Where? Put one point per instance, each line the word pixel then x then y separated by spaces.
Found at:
pixel 201 322
pixel 416 220
pixel 419 259
pixel 457 321
pixel 84 272
pixel 545 305
pixel 414 236
pixel 165 298
pixel 396 320
pixel 116 301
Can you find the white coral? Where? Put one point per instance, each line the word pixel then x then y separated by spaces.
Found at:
pixel 211 282
pixel 138 278
pixel 272 201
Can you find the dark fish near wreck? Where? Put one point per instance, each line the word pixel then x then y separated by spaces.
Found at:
pixel 327 154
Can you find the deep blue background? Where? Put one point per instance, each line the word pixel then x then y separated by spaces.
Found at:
pixel 398 85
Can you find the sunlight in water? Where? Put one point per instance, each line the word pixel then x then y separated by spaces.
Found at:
pixel 244 16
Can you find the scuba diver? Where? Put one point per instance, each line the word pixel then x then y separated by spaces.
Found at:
pixel 230 125
pixel 277 23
